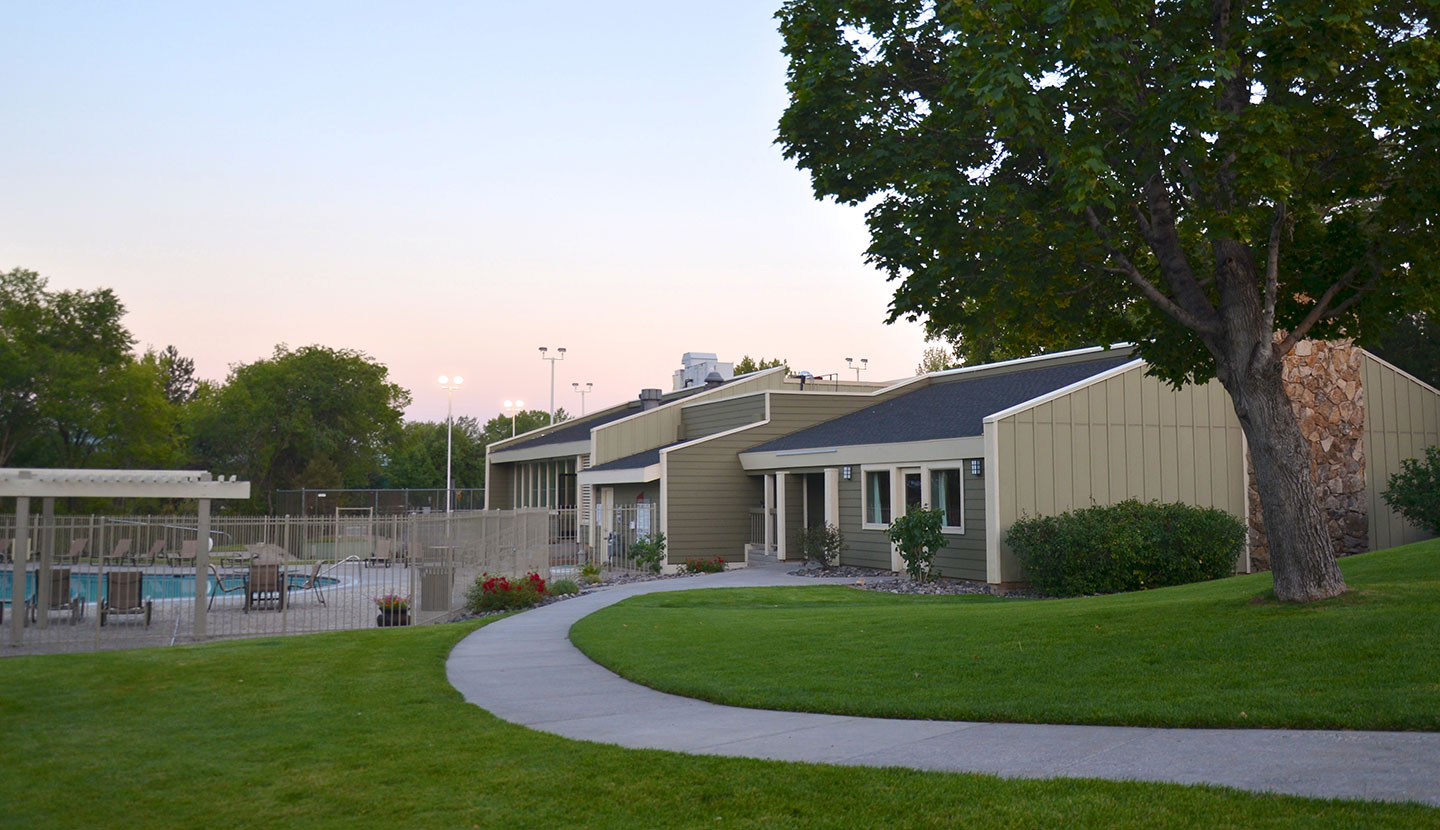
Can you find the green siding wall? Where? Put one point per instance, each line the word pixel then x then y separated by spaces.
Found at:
pixel 710 418
pixel 962 558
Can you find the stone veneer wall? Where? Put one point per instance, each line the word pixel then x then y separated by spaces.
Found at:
pixel 1322 379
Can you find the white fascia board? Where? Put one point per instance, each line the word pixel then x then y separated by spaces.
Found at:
pixel 629 475
pixel 556 451
pixel 1023 361
pixel 1397 370
pixel 1064 390
pixel 903 452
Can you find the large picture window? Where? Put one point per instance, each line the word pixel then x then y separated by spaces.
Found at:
pixel 877 497
pixel 947 496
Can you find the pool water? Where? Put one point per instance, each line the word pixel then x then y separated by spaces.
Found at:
pixel 156 586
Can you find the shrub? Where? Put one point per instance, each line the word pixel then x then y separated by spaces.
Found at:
pixel 648 552
pixel 1126 547
pixel 918 536
pixel 590 573
pixel 822 544
pixel 498 593
pixel 560 587
pixel 1415 491
pixel 704 566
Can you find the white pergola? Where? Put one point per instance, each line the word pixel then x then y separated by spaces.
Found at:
pixel 48 485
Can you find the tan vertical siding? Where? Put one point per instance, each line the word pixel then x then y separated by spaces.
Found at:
pixel 1128 436
pixel 664 424
pixel 1402 418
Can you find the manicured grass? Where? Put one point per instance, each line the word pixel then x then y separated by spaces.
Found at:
pixel 361 729
pixel 1220 653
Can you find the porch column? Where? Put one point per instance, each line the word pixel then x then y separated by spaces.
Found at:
pixel 202 566
pixel 19 553
pixel 769 513
pixel 832 495
pixel 780 516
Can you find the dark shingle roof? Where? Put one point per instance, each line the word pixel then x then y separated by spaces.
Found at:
pixel 579 431
pixel 945 409
pixel 639 460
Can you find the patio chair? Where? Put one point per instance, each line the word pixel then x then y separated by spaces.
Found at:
pixel 224 584
pixel 157 550
pixel 119 554
pixel 77 550
pixel 125 594
pixel 383 554
pixel 265 583
pixel 186 556
pixel 311 583
pixel 56 596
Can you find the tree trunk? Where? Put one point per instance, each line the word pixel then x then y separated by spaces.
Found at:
pixel 1301 552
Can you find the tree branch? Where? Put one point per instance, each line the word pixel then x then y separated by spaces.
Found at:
pixel 1151 292
pixel 1272 275
pixel 1321 310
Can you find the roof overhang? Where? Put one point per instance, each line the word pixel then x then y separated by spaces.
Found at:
pixel 566 449
pixel 129 484
pixel 903 452
pixel 628 475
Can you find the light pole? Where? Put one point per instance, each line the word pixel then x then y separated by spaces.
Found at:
pixel 864 364
pixel 511 409
pixel 583 393
pixel 449 384
pixel 560 355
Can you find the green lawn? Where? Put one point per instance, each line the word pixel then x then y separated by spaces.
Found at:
pixel 361 729
pixel 1220 653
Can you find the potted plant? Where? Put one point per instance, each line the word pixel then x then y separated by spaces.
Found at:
pixel 394 610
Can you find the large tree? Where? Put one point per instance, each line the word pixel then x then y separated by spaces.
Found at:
pixel 314 408
pixel 65 365
pixel 418 457
pixel 1213 181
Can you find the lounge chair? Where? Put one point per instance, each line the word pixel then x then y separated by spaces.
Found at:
pixel 77 550
pixel 157 550
pixel 57 597
pixel 120 553
pixel 125 594
pixel 383 554
pixel 186 556
pixel 265 583
pixel 311 583
pixel 224 584
pixel 5 549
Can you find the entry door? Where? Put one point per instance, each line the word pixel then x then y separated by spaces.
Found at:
pixel 908 495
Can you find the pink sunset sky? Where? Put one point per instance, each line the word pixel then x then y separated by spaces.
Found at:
pixel 445 187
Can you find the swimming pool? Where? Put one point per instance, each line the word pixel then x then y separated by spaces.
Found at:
pixel 157 586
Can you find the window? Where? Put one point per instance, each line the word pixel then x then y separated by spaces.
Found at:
pixel 947 496
pixel 877 497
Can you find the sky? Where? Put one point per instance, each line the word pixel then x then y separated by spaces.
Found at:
pixel 445 187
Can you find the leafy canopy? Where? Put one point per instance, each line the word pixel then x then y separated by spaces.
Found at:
pixel 1037 171
pixel 748 365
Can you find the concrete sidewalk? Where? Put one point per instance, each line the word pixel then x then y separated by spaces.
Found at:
pixel 525 670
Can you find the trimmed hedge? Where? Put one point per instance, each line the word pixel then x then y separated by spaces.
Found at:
pixel 1129 546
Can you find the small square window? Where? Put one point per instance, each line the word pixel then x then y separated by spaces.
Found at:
pixel 977 467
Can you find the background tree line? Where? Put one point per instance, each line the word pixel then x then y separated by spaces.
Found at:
pixel 74 393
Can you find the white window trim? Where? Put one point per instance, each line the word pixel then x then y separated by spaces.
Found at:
pixel 926 498
pixel 865 470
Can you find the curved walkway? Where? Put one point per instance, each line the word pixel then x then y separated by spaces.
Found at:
pixel 524 670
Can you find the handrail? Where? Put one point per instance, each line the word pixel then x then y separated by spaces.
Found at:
pixel 342 562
